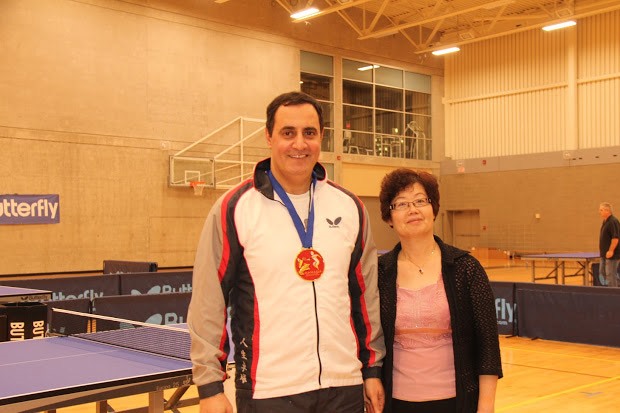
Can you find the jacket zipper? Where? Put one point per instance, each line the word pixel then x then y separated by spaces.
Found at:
pixel 316 318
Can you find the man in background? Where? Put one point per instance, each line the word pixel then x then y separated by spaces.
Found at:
pixel 608 246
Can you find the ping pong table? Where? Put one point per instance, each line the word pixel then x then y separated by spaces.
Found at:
pixel 17 294
pixel 583 265
pixel 61 371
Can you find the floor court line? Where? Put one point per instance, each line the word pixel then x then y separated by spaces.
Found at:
pixel 556 394
pixel 556 370
pixel 555 353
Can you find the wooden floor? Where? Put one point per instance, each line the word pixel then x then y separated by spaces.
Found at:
pixel 539 375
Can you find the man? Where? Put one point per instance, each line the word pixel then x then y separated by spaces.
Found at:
pixel 608 246
pixel 292 254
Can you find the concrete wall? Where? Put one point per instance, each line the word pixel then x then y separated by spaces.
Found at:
pixel 565 199
pixel 97 94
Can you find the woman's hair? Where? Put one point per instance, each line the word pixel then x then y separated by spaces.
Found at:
pixel 402 178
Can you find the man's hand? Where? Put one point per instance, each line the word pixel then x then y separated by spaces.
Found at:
pixel 216 404
pixel 374 396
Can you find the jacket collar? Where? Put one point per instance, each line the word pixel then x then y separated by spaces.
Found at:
pixel 263 184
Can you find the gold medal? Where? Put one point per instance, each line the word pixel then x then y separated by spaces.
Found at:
pixel 309 264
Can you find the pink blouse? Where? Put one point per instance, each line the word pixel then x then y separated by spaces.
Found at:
pixel 423 355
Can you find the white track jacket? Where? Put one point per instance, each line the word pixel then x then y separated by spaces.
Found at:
pixel 290 335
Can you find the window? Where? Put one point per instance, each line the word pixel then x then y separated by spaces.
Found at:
pixel 317 80
pixel 386 111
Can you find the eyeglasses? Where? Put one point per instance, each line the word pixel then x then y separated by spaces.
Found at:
pixel 404 205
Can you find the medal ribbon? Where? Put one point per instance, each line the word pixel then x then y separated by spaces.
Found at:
pixel 305 235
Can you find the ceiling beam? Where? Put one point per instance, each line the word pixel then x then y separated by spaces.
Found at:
pixel 377 16
pixel 285 6
pixel 578 15
pixel 395 29
pixel 344 16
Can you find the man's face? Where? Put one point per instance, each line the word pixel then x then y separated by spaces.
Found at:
pixel 295 142
pixel 604 212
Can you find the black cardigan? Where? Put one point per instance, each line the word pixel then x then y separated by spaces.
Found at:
pixel 472 318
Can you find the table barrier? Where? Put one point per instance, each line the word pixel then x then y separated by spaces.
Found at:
pixel 151 308
pixel 576 314
pixel 155 283
pixel 174 288
pixel 67 288
pixel 505 307
pixel 93 286
pixel 116 267
pixel 581 314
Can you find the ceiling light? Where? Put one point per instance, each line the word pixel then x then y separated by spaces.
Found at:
pixel 559 25
pixel 446 51
pixel 302 14
pixel 364 68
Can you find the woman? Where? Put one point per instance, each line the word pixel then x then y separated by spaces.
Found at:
pixel 437 310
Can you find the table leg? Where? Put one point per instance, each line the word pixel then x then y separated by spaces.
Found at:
pixel 101 406
pixel 156 401
pixel 176 397
pixel 587 280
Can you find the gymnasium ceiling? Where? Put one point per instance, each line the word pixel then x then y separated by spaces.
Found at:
pixel 435 24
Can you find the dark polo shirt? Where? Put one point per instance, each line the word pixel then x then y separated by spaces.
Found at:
pixel 610 229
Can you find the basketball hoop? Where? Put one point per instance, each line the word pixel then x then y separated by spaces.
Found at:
pixel 198 186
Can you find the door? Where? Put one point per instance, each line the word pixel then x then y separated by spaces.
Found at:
pixel 464 228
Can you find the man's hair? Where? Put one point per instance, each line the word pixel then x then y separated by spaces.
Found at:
pixel 291 99
pixel 607 206
pixel 402 178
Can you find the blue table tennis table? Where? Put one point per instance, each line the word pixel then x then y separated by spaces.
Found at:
pixel 55 372
pixel 583 265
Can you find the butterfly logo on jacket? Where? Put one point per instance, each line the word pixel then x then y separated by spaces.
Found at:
pixel 334 223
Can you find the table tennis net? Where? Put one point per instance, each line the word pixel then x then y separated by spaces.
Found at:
pixel 163 340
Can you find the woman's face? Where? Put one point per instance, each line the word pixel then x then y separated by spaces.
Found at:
pixel 412 221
